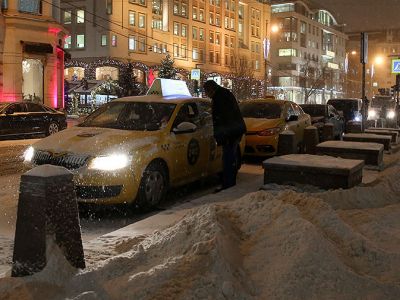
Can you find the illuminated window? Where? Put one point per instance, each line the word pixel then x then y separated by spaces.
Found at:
pixel 80 41
pixel 184 30
pixel 195 54
pixel 67 17
pixel 67 42
pixel 109 7
pixel 104 40
pixel 142 21
pixel 201 15
pixel 132 18
pixel 80 16
pixel 194 33
pixel 194 13
pixel 201 34
pixel 176 28
pixel 287 52
pixel 132 43
pixel 114 40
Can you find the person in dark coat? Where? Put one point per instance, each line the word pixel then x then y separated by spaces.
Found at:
pixel 229 128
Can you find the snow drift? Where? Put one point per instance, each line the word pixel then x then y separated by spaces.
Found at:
pixel 281 243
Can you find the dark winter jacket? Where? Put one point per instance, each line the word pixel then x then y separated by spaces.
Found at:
pixel 227 119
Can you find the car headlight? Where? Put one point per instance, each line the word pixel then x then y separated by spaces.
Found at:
pixel 391 114
pixel 372 114
pixel 110 162
pixel 270 131
pixel 28 154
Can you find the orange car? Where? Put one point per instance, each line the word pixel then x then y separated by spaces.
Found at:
pixel 266 118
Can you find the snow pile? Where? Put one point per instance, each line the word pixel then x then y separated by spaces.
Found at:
pixel 266 245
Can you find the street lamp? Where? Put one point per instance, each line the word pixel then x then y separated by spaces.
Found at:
pixel 274 28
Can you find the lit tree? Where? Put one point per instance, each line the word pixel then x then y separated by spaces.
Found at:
pixel 167 69
pixel 311 79
pixel 127 82
pixel 243 78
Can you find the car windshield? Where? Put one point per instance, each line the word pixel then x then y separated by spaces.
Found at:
pixel 383 102
pixel 314 110
pixel 261 110
pixel 138 116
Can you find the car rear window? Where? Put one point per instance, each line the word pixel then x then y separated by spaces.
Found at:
pixel 314 110
pixel 261 110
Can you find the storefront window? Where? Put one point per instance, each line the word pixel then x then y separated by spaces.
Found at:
pixel 32 80
pixel 74 73
pixel 106 73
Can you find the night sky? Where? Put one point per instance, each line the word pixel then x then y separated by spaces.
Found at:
pixel 365 15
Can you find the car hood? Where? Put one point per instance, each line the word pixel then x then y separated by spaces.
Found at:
pixel 256 124
pixel 97 141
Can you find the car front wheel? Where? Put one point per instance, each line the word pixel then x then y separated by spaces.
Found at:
pixel 153 186
pixel 52 128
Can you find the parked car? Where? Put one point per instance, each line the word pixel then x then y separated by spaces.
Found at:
pixel 27 119
pixel 131 150
pixel 322 114
pixel 350 109
pixel 383 109
pixel 266 118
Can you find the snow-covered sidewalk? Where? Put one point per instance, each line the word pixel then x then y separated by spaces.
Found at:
pixel 279 243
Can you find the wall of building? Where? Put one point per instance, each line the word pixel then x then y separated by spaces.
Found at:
pixel 306 38
pixel 174 30
pixel 21 29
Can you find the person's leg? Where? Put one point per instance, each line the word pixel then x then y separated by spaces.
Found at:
pixel 229 165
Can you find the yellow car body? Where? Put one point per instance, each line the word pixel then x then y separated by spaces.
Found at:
pixel 263 130
pixel 186 156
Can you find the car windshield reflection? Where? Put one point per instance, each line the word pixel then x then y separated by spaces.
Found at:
pixel 261 110
pixel 138 116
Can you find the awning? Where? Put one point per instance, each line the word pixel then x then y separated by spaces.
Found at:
pixel 31 47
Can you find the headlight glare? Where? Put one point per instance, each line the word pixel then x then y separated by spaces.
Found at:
pixel 110 162
pixel 29 153
pixel 372 114
pixel 391 114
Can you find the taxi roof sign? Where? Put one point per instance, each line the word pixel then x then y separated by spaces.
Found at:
pixel 168 87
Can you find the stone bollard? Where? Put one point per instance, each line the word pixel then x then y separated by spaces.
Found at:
pixel 287 143
pixel 311 139
pixel 327 132
pixel 46 206
pixel 353 127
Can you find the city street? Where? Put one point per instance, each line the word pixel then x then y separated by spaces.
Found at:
pixel 95 220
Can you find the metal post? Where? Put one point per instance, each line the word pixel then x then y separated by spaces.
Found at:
pixel 363 96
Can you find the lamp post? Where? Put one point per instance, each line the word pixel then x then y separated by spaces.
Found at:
pixel 267 47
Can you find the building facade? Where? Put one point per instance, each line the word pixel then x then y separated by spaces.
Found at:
pixel 31 55
pixel 383 46
pixel 210 35
pixel 308 53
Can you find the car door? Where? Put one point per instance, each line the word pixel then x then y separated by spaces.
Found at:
pixel 14 119
pixel 214 157
pixel 188 147
pixel 37 118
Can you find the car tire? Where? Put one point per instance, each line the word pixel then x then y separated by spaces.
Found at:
pixel 153 186
pixel 52 128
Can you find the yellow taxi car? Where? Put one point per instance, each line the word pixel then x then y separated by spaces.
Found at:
pixel 266 118
pixel 131 150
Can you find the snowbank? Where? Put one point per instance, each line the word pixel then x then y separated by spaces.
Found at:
pixel 278 243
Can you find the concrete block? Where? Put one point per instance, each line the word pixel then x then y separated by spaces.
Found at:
pixel 393 133
pixel 327 132
pixel 322 171
pixel 385 140
pixel 287 143
pixel 370 153
pixel 311 139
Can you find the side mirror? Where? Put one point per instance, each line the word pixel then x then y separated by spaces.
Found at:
pixel 292 118
pixel 185 127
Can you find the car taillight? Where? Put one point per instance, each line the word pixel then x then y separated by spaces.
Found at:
pixel 269 131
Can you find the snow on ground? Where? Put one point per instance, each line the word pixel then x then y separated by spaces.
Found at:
pixel 277 243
